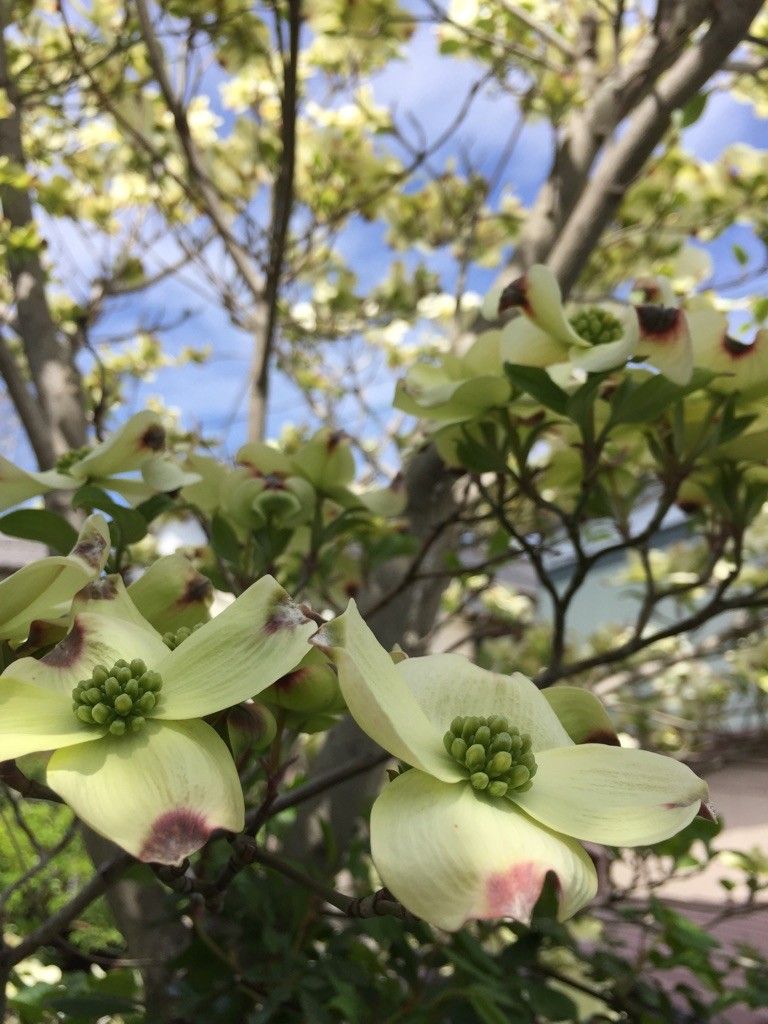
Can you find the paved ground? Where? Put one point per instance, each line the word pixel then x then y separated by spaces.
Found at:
pixel 739 793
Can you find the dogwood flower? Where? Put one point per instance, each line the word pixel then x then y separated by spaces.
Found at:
pixel 137 445
pixel 45 588
pixel 122 714
pixel 497 793
pixel 593 338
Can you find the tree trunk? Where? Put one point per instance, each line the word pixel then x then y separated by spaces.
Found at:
pixel 51 364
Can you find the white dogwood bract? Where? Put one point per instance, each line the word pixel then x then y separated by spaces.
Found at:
pixel 451 853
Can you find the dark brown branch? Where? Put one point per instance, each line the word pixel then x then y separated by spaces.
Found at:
pixel 44 858
pixel 377 904
pixel 16 779
pixel 282 206
pixel 321 783
pixel 204 189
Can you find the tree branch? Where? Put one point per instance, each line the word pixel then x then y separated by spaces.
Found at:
pixel 106 876
pixel 587 128
pixel 282 205
pixel 619 167
pixel 29 411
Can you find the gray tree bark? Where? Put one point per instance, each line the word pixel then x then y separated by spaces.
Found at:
pixel 404 620
pixel 51 363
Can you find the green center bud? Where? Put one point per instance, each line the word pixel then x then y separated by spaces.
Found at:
pixel 117 700
pixel 596 325
pixel 68 459
pixel 173 639
pixel 496 755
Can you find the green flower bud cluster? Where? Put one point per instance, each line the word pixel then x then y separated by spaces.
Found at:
pixel 173 639
pixel 68 459
pixel 496 755
pixel 596 325
pixel 118 700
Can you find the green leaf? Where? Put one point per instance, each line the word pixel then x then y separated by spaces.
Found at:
pixel 693 109
pixel 131 525
pixel 580 403
pixel 154 506
pixel 645 402
pixel 94 1005
pixel 42 525
pixel 536 382
pixel 700 830
pixel 224 540
pixel 740 254
pixel 549 1003
pixel 485 1008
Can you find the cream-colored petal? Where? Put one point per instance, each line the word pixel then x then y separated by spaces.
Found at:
pixel 581 714
pixel 33 720
pixel 44 589
pixel 137 440
pixel 525 344
pixel 612 795
pixel 133 488
pixel 326 460
pixel 159 794
pixel 447 686
pixel 380 700
pixel 17 485
pixel 483 358
pixel 744 367
pixel 213 476
pixel 665 341
pixel 172 593
pixel 456 402
pixel 163 474
pixel 262 636
pixel 264 460
pixel 538 294
pixel 108 596
pixel 94 639
pixel 451 856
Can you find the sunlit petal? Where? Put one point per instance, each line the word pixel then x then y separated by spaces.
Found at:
pixel 34 720
pixel 447 686
pixel 581 714
pixel 159 793
pixel 43 589
pixel 450 856
pixel 262 636
pixel 172 593
pixel 665 341
pixel 94 639
pixel 612 795
pixel 380 700
pixel 137 440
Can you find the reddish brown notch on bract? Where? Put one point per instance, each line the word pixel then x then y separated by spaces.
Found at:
pixel 514 892
pixel 515 296
pixel 69 649
pixel 175 835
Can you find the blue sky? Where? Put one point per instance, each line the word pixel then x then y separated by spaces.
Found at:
pixel 431 87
